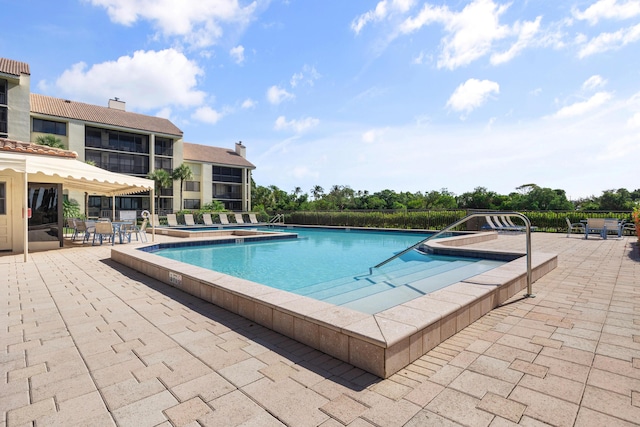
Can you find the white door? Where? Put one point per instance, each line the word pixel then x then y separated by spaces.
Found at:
pixel 5 211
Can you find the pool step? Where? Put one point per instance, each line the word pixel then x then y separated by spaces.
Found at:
pixel 381 298
pixel 379 279
pixel 377 276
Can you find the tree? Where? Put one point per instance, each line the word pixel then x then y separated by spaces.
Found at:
pixel 50 141
pixel 317 191
pixel 162 180
pixel 182 173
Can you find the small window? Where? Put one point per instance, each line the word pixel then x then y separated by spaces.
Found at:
pixel 3 198
pixel 191 203
pixel 49 126
pixel 192 186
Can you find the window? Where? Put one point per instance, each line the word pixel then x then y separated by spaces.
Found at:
pixel 191 204
pixel 3 91
pixel 163 163
pixel 192 186
pixel 3 121
pixel 116 140
pixel 163 147
pixel 119 162
pixel 49 126
pixel 46 208
pixel 225 174
pixel 3 198
pixel 223 191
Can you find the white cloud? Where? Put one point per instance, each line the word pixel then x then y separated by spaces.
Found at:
pixel 583 107
pixel 308 75
pixel 198 22
pixel 297 126
pixel 526 36
pixel 248 103
pixel 147 80
pixel 634 121
pixel 593 82
pixel 237 53
pixel 165 113
pixel 610 41
pixel 373 135
pixel 608 9
pixel 276 95
pixel 473 32
pixel 472 94
pixel 383 10
pixel 207 115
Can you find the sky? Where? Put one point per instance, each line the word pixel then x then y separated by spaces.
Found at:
pixel 404 95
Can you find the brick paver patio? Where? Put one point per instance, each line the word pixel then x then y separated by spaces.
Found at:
pixel 85 341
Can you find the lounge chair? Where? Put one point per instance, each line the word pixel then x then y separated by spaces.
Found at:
pixel 206 218
pixel 223 218
pixel 188 219
pixel 507 225
pixel 155 220
pixel 496 225
pixel 253 219
pixel 172 220
pixel 239 219
pixel 574 226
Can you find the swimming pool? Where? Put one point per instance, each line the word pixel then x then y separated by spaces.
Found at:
pixel 380 343
pixel 332 265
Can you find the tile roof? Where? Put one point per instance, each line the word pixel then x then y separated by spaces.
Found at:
pixel 215 155
pixel 20 147
pixel 63 108
pixel 15 68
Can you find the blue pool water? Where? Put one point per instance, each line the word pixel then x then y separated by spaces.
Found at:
pixel 333 266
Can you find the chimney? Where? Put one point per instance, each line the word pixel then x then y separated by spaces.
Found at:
pixel 241 149
pixel 116 104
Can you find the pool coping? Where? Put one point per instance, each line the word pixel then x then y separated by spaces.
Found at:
pixel 381 343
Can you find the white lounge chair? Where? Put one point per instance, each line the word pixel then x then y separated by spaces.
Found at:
pixel 188 219
pixel 223 218
pixel 239 219
pixel 206 218
pixel 172 220
pixel 574 226
pixel 253 219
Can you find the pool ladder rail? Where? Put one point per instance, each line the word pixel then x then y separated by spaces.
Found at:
pixel 529 293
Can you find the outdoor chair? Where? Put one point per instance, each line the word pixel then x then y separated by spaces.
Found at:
pixel 172 220
pixel 84 229
pixel 595 225
pixel 253 219
pixel 139 231
pixel 628 226
pixel 574 226
pixel 104 231
pixel 239 219
pixel 206 218
pixel 71 223
pixel 223 218
pixel 188 219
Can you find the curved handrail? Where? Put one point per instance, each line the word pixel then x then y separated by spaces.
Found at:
pixel 462 221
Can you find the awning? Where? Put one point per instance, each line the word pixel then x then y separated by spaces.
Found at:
pixel 74 174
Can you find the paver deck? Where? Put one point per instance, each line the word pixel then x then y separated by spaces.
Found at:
pixel 86 341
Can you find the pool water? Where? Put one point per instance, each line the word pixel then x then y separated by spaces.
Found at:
pixel 333 266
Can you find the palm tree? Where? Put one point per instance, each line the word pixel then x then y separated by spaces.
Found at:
pixel 182 173
pixel 317 191
pixel 162 179
pixel 50 141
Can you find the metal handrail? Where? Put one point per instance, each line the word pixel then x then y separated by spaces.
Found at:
pixel 529 293
pixel 279 218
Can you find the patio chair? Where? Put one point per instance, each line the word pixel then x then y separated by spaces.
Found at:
pixel 629 226
pixel 139 231
pixel 104 231
pixel 595 225
pixel 506 223
pixel 155 220
pixel 239 219
pixel 574 226
pixel 84 229
pixel 172 220
pixel 223 218
pixel 613 225
pixel 206 218
pixel 188 219
pixel 495 225
pixel 71 223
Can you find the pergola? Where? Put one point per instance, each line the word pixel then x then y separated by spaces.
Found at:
pixel 72 174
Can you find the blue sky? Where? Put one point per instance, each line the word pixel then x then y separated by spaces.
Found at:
pixel 405 95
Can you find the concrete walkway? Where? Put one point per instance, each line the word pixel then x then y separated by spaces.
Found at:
pixel 85 341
